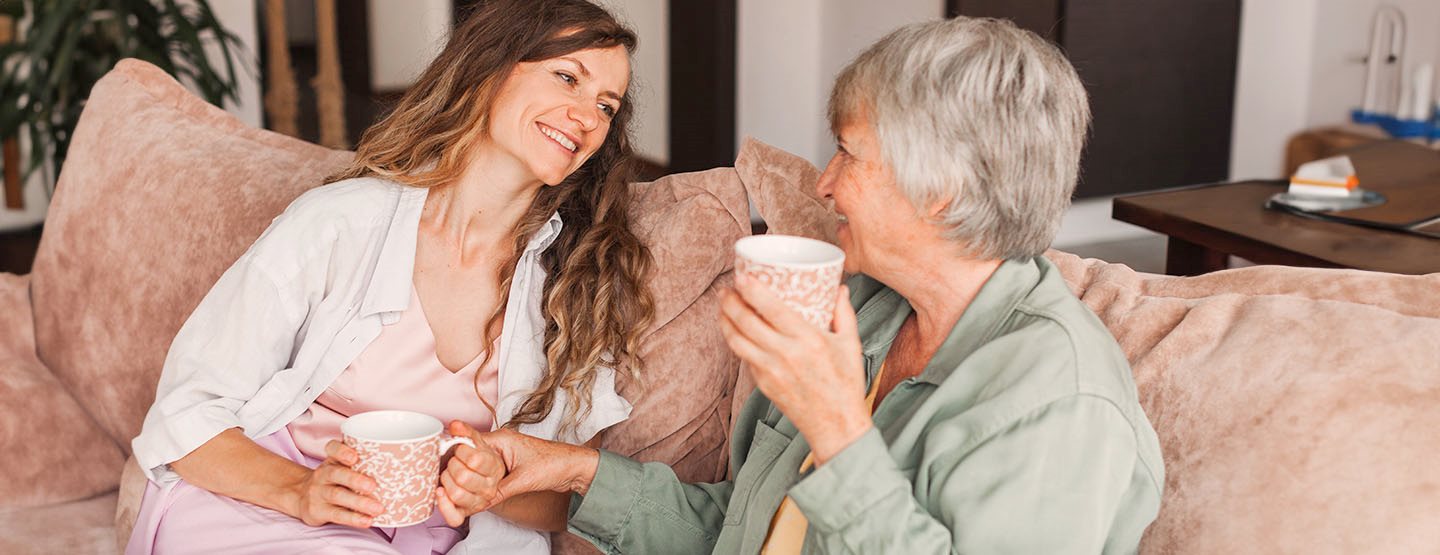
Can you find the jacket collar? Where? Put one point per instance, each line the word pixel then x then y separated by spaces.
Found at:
pixel 392 278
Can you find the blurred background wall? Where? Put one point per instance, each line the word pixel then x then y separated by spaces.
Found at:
pixel 1183 91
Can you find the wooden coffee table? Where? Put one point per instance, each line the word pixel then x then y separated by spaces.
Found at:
pixel 1206 223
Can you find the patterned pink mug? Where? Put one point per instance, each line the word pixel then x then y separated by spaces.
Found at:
pixel 401 450
pixel 805 273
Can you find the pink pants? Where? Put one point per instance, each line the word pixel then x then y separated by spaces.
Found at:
pixel 181 518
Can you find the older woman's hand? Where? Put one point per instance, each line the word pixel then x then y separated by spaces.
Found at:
pixel 471 479
pixel 535 464
pixel 814 376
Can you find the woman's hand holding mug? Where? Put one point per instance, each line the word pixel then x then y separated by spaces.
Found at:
pixel 334 492
pixel 789 319
pixel 401 452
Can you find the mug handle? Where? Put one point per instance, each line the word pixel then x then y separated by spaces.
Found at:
pixel 452 441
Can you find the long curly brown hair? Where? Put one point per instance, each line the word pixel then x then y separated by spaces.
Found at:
pixel 595 304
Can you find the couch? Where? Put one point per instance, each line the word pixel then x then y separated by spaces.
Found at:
pixel 1298 409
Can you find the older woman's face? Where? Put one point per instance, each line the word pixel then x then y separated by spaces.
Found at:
pixel 876 220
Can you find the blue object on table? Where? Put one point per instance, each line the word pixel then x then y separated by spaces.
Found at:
pixel 1361 116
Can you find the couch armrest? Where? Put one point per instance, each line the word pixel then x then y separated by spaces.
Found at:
pixel 127 505
pixel 86 462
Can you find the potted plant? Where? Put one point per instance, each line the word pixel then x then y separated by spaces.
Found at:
pixel 65 46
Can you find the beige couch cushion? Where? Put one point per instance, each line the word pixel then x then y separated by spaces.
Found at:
pixel 78 528
pixel 51 451
pixel 1298 409
pixel 159 194
pixel 690 222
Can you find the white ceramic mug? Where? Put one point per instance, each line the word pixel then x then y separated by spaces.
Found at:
pixel 805 273
pixel 401 450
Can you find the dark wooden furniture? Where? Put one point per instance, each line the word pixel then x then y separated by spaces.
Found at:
pixel 1208 222
pixel 17 249
pixel 1161 79
pixel 10 180
pixel 703 38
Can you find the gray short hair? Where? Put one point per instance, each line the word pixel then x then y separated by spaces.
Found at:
pixel 979 113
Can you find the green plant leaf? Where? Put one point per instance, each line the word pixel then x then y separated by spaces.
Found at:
pixel 37 150
pixel 71 44
pixel 13 8
pixel 48 23
pixel 65 53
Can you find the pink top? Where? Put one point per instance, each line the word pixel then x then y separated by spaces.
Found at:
pixel 399 370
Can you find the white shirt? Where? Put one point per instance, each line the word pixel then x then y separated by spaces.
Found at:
pixel 305 299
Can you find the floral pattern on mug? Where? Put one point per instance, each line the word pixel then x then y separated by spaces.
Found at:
pixel 808 291
pixel 406 473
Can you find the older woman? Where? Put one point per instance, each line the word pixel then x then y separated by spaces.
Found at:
pixel 968 402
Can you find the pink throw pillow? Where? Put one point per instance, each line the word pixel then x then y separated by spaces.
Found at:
pixel 1298 409
pixel 51 451
pixel 160 193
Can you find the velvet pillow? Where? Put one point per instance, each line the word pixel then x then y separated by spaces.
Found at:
pixel 51 451
pixel 782 186
pixel 690 222
pixel 681 413
pixel 1298 409
pixel 160 193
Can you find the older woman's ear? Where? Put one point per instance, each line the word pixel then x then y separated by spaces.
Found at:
pixel 936 207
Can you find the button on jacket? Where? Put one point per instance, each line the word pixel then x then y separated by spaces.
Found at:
pixel 1022 435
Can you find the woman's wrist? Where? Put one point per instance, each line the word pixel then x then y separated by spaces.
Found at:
pixel 586 463
pixel 827 441
pixel 286 497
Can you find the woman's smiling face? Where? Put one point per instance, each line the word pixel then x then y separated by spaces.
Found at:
pixel 877 222
pixel 552 115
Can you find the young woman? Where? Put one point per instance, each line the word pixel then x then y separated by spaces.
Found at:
pixel 474 263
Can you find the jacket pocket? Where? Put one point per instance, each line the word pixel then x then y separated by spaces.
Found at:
pixel 764 449
pixel 344 350
pixel 278 392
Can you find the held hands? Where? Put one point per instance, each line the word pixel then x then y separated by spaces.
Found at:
pixel 813 376
pixel 504 464
pixel 335 492
pixel 539 465
pixel 475 479
pixel 470 481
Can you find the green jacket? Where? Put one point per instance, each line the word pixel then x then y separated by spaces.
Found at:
pixel 1022 435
